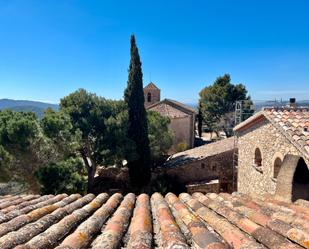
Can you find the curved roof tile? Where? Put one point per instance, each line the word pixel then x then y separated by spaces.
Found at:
pixel 200 221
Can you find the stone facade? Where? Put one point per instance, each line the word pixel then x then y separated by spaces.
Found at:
pixel 212 186
pixel 152 94
pixel 183 130
pixel 257 177
pixel 182 121
pixel 201 165
pixel 211 168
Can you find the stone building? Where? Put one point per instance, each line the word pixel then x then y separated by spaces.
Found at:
pixel 207 168
pixel 182 117
pixel 273 153
pixel 152 94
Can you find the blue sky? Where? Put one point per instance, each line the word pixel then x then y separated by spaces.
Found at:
pixel 50 48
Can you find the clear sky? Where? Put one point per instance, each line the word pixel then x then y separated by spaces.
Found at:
pixel 50 48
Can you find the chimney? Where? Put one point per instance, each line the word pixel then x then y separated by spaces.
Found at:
pixel 292 103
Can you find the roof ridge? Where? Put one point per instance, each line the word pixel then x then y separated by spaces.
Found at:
pixel 287 108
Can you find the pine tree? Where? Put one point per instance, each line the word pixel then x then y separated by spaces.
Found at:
pixel 139 167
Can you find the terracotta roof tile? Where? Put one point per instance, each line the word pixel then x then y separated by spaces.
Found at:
pixel 200 152
pixel 151 85
pixel 189 221
pixel 293 122
pixel 172 108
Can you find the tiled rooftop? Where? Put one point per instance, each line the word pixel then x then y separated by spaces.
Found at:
pixel 168 111
pixel 211 221
pixel 172 108
pixel 292 122
pixel 201 152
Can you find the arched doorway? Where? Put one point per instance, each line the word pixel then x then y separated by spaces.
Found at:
pixel 293 179
pixel 300 189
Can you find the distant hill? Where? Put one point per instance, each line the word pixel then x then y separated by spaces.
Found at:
pixel 27 106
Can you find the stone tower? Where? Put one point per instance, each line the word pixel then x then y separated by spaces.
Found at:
pixel 151 94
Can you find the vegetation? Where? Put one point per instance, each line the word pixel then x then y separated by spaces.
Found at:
pixel 99 129
pixel 160 137
pixel 87 128
pixel 62 177
pixel 23 145
pixel 164 184
pixel 137 130
pixel 64 147
pixel 217 104
pixel 181 147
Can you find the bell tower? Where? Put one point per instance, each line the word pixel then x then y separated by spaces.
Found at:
pixel 151 94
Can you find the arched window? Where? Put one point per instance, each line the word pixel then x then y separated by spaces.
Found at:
pixel 257 157
pixel 277 166
pixel 148 97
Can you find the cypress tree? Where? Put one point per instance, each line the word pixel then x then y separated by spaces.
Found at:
pixel 139 167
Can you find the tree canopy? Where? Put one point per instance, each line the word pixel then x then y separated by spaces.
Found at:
pixel 217 103
pixel 98 124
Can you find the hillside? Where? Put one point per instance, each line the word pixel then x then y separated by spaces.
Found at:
pixel 26 106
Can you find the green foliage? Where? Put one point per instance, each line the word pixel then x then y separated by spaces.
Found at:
pixel 164 184
pixel 58 129
pixel 61 177
pixel 5 161
pixel 17 128
pixel 181 147
pixel 21 137
pixel 160 137
pixel 217 103
pixel 100 124
pixel 137 130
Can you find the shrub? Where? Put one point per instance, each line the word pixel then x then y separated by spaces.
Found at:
pixel 181 147
pixel 61 177
pixel 165 183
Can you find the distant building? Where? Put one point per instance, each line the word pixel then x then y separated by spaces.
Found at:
pixel 273 147
pixel 182 117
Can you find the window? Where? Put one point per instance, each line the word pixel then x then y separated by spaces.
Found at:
pixel 148 97
pixel 277 166
pixel 258 158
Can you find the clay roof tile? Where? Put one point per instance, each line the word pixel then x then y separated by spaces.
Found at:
pixel 200 221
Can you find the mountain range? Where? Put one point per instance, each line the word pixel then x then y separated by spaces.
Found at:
pixel 39 107
pixel 27 106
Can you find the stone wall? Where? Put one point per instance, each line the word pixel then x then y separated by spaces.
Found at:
pixel 155 96
pixel 210 168
pixel 255 180
pixel 209 187
pixel 183 130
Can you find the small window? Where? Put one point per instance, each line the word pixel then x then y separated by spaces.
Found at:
pixel 258 158
pixel 148 97
pixel 203 165
pixel 277 166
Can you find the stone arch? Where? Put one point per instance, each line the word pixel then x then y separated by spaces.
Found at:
pixel 293 179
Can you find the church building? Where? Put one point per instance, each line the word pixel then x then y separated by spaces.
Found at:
pixel 182 117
